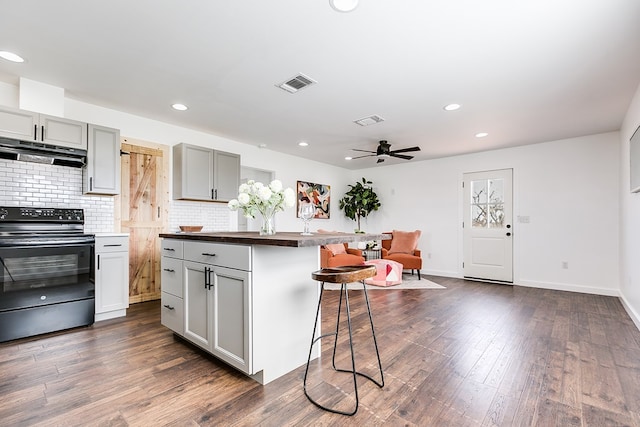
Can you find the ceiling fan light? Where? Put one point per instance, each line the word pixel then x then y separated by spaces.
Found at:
pixel 343 5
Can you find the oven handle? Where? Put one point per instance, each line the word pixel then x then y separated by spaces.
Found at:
pixel 48 243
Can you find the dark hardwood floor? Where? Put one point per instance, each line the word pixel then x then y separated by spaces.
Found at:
pixel 474 354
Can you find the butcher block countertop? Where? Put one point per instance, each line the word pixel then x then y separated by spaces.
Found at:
pixel 290 239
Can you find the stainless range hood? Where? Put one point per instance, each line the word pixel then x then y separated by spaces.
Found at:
pixel 37 152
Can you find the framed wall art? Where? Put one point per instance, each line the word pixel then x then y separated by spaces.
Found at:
pixel 317 194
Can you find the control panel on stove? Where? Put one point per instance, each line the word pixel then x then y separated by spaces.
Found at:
pixel 41 214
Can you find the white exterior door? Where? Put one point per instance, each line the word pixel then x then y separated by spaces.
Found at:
pixel 488 230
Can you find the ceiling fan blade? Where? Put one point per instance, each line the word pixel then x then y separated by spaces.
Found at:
pixel 364 151
pixel 380 161
pixel 359 157
pixel 405 150
pixel 400 156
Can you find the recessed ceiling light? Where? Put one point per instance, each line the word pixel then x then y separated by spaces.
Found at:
pixel 348 158
pixel 179 107
pixel 10 56
pixel 481 134
pixel 303 144
pixel 452 107
pixel 262 146
pixel 343 5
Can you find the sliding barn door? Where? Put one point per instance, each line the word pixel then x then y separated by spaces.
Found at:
pixel 143 216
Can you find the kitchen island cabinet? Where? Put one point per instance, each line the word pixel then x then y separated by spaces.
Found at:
pixel 247 299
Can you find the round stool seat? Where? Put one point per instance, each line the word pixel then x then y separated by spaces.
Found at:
pixel 344 274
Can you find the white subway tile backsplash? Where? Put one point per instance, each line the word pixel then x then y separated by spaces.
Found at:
pixel 212 216
pixel 38 185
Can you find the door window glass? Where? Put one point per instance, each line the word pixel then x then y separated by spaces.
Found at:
pixel 487 203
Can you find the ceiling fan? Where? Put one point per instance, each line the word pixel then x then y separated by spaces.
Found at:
pixel 384 150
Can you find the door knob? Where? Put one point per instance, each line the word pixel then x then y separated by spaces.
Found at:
pixel 508 234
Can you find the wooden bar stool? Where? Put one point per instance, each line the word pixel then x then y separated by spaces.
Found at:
pixel 343 275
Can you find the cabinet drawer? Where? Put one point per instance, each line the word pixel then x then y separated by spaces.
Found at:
pixel 171 276
pixel 171 248
pixel 112 244
pixel 172 313
pixel 224 255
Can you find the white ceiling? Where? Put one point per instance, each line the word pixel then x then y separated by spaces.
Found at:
pixel 523 71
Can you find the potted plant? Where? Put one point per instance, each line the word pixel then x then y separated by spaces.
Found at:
pixel 359 202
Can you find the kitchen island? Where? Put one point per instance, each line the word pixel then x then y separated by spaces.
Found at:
pixel 247 299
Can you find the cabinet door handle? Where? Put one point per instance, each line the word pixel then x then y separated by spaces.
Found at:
pixel 169 307
pixel 170 270
pixel 91 183
pixel 42 133
pixel 207 278
pixel 216 193
pixel 169 249
pixel 98 267
pixel 113 245
pixel 212 196
pixel 208 254
pixel 35 132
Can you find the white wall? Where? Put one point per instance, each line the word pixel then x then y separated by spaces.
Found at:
pixel 568 188
pixel 289 169
pixel 630 219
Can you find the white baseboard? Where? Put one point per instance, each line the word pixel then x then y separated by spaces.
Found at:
pixel 441 273
pixel 568 287
pixel 630 311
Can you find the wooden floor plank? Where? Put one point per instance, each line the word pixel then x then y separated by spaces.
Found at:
pixel 471 354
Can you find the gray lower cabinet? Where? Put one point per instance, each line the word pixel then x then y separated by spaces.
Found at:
pixel 30 126
pixel 172 284
pixel 216 298
pixel 200 173
pixel 101 175
pixel 111 276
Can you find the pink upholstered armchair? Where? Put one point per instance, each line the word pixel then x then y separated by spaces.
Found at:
pixel 402 248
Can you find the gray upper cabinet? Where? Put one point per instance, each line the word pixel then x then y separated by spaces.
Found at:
pixel 18 124
pixel 204 174
pixel 226 170
pixel 30 126
pixel 102 172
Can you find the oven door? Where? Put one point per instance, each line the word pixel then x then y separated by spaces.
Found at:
pixel 43 274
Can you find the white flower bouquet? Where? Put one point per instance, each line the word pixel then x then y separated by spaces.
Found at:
pixel 254 197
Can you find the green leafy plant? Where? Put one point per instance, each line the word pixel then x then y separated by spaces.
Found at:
pixel 359 202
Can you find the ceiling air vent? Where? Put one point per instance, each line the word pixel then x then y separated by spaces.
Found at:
pixel 296 83
pixel 371 120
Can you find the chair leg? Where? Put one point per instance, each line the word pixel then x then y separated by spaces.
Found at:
pixel 375 342
pixel 344 292
pixel 419 275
